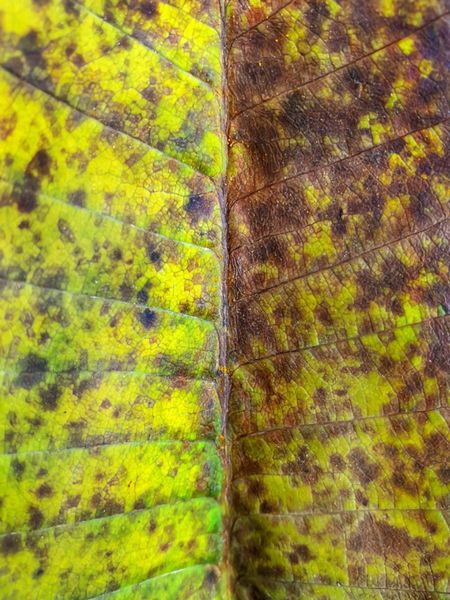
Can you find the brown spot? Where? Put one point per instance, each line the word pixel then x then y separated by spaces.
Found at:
pixel 303 553
pixel 211 578
pixel 149 8
pixel 44 491
pixel 323 314
pixel 364 470
pixel 49 397
pixel 31 49
pixel 65 231
pixel 32 370
pixel 380 538
pixel 36 518
pixel 444 475
pixel 10 544
pixel 360 498
pixel 96 500
pixel 73 501
pixel 198 207
pixel 18 468
pixel 39 164
pixel 78 60
pixel 26 200
pixel 78 198
pixel 117 254
pixel 337 462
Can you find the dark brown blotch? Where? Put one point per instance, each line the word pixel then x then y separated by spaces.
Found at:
pixel 44 491
pixel 31 364
pixel 49 397
pixel 78 198
pixel 10 544
pixel 18 468
pixel 363 469
pixel 36 518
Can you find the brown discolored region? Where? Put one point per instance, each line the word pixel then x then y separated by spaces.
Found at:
pixel 327 217
pixel 338 236
pixel 393 92
pixel 317 36
pixel 394 286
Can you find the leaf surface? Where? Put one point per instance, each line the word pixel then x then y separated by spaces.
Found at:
pixel 111 238
pixel 224 298
pixel 338 217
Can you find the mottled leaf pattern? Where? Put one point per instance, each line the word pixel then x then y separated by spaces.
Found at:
pixel 338 217
pixel 111 250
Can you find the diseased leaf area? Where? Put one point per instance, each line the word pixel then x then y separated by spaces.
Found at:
pixel 110 231
pixel 146 453
pixel 338 226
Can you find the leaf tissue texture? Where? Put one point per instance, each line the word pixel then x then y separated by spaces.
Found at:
pixel 112 153
pixel 338 234
pixel 224 293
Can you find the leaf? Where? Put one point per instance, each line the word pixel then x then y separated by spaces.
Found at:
pixel 111 275
pixel 224 362
pixel 338 228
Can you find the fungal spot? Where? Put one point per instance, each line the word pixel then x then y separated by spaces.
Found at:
pixel 142 296
pixel 154 256
pixel 364 470
pixel 36 518
pixel 39 164
pixel 198 207
pixel 10 544
pixel 65 231
pixel 34 365
pixel 31 49
pixel 78 198
pixel 148 318
pixel 49 397
pixel 44 491
pixel 38 573
pixel 117 254
pixel 26 201
pixel 211 578
pixel 18 468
